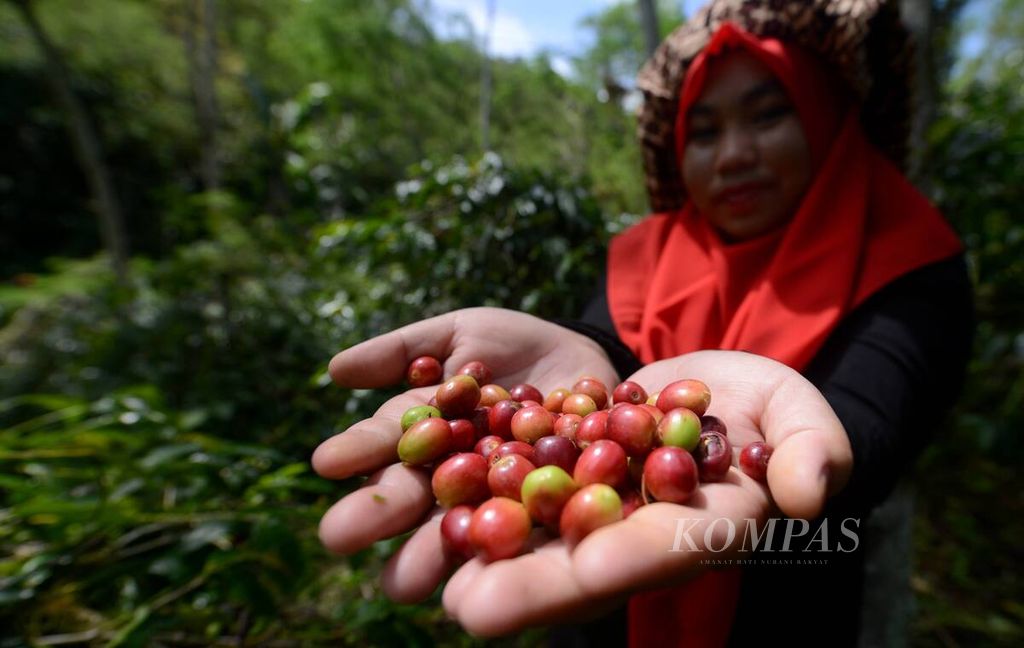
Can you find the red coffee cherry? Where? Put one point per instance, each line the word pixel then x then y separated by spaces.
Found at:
pixel 670 475
pixel 499 529
pixel 754 460
pixel 423 371
pixel 505 478
pixel 425 441
pixel 480 372
pixel 553 401
pixel 531 423
pixel 594 388
pixel 714 456
pixel 455 533
pixel 458 397
pixel 632 428
pixel 525 392
pixel 589 509
pixel 461 479
pixel 602 462
pixel 691 394
pixel 629 392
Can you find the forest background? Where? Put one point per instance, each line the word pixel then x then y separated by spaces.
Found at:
pixel 201 201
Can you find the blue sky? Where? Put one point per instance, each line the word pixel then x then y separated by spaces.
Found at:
pixel 525 27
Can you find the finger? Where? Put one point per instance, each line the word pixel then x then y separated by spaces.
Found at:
pixel 462 579
pixel 812 457
pixel 662 543
pixel 393 501
pixel 454 590
pixel 419 566
pixel 383 360
pixel 370 444
pixel 508 595
pixel 801 474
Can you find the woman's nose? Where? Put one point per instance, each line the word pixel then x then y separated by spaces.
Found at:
pixel 737 149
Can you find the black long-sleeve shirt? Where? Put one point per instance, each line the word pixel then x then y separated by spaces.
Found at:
pixel 891 370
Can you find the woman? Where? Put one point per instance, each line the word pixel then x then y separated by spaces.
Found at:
pixel 789 265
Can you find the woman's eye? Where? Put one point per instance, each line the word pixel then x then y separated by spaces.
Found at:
pixel 772 114
pixel 701 133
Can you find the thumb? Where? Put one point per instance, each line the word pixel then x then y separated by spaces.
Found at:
pixel 805 470
pixel 812 459
pixel 382 361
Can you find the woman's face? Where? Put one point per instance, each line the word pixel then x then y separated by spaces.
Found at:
pixel 746 161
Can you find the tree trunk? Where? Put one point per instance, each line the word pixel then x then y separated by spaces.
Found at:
pixel 649 23
pixel 917 15
pixel 485 81
pixel 888 604
pixel 931 25
pixel 200 36
pixel 85 143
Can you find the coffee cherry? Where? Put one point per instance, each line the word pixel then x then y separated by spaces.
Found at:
pixel 655 413
pixel 458 397
pixel 635 470
pixel 602 462
pixel 631 501
pixel 499 420
pixel 505 478
pixel 632 428
pixel 553 401
pixel 545 492
pixel 579 404
pixel 714 456
pixel 455 533
pixel 594 388
pixel 423 371
pixel 670 475
pixel 461 479
pixel 575 465
pixel 510 448
pixel 525 392
pixel 555 450
pixel 754 460
pixel 418 413
pixel 681 428
pixel 567 425
pixel 589 509
pixel 593 427
pixel 710 423
pixel 463 435
pixel 691 394
pixel 532 423
pixel 479 419
pixel 486 445
pixel 480 372
pixel 499 528
pixel 492 394
pixel 629 392
pixel 425 441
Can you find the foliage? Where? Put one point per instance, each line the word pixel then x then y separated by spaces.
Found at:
pixel 154 438
pixel 155 443
pixel 971 501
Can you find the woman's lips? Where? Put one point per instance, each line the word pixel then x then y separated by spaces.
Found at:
pixel 742 198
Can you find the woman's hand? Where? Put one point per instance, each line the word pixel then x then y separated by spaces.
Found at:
pixel 756 397
pixel 517 347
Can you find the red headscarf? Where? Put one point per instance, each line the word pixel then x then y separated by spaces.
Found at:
pixel 674 286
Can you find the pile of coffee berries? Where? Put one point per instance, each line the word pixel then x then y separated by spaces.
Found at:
pixel 504 460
